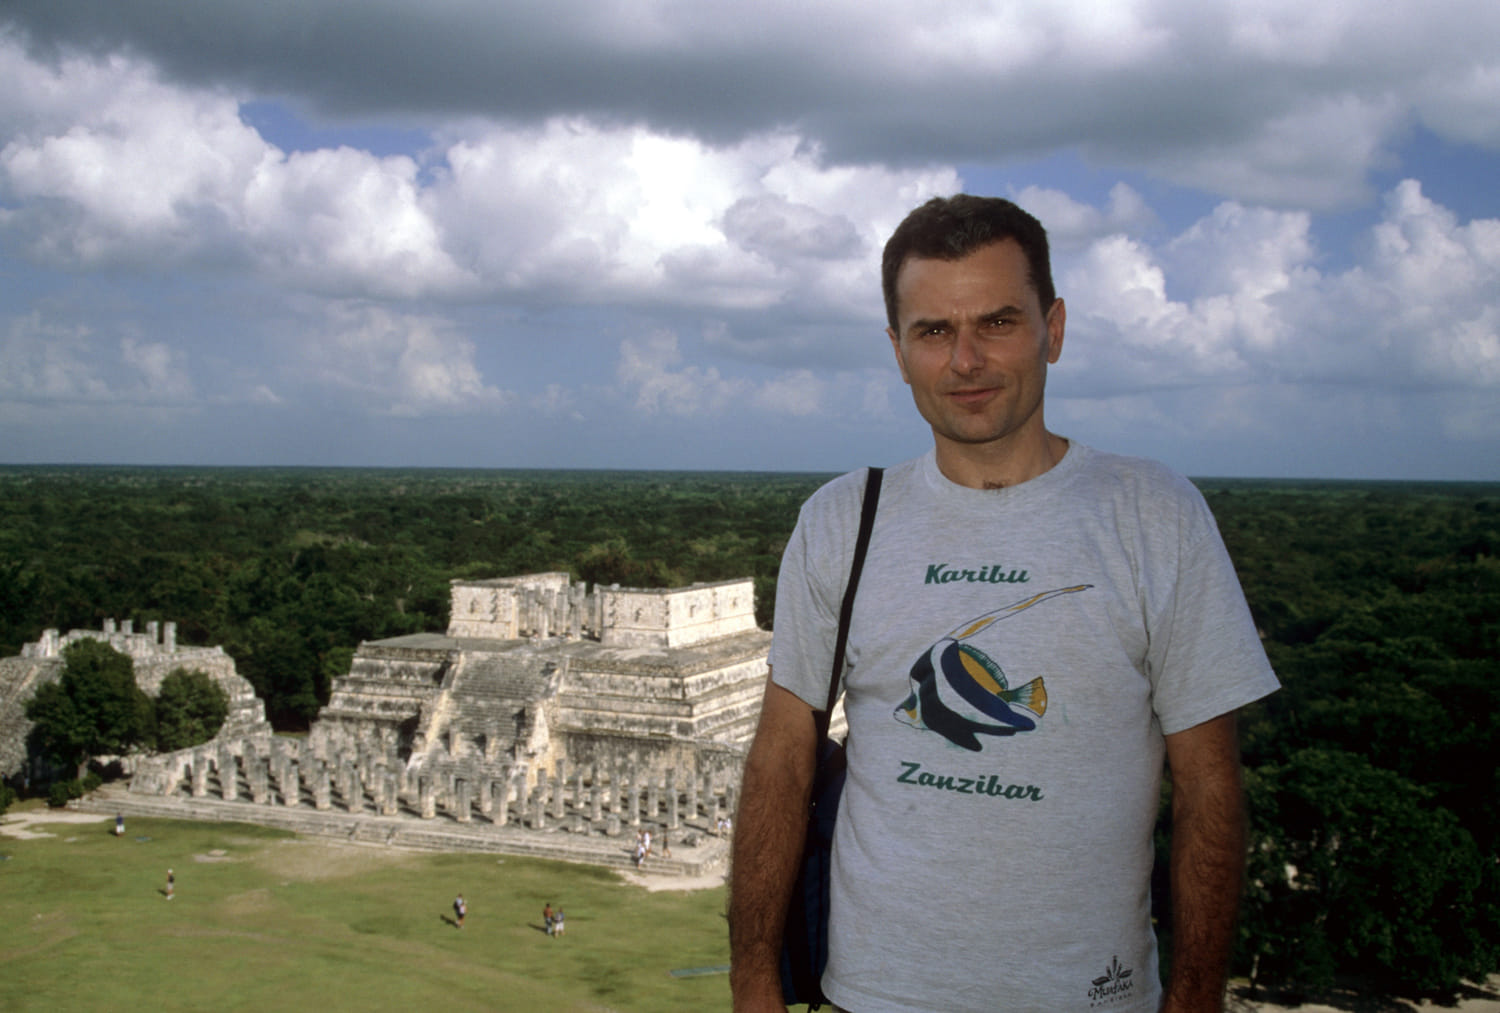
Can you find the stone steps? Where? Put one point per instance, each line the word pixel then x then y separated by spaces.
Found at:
pixel 440 834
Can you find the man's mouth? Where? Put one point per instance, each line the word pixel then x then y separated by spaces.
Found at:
pixel 971 395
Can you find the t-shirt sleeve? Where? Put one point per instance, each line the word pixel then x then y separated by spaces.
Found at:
pixel 1205 657
pixel 809 588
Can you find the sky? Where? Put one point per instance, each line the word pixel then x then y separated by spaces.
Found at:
pixel 646 233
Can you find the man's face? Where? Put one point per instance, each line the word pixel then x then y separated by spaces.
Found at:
pixel 974 342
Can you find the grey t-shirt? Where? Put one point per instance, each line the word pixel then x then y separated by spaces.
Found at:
pixel 1014 660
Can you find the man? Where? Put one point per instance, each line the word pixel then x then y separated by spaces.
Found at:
pixel 1038 625
pixel 460 911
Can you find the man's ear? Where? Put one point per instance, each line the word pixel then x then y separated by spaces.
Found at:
pixel 1057 320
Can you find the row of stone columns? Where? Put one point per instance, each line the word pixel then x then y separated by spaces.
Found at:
pixel 282 773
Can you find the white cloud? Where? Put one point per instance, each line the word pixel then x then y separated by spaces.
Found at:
pixel 653 373
pixel 1275 101
pixel 49 365
pixel 646 367
pixel 798 393
pixel 45 361
pixel 647 170
pixel 1418 311
pixel 161 376
pixel 398 364
pixel 1071 222
pixel 346 222
pixel 587 213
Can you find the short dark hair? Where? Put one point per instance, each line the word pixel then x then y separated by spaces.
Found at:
pixel 951 228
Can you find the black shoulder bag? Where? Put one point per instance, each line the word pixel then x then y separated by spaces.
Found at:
pixel 804 940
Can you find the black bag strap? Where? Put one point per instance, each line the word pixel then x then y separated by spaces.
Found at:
pixel 846 609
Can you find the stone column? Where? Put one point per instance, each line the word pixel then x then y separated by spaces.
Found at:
pixel 486 794
pixel 229 776
pixel 559 791
pixel 653 798
pixel 291 784
pixel 403 777
pixel 391 799
pixel 617 790
pixel 632 800
pixel 596 797
pixel 427 797
pixel 692 795
pixel 322 786
pixel 354 795
pixel 462 805
pixel 259 791
pixel 539 810
pixel 200 775
pixel 502 798
pixel 674 819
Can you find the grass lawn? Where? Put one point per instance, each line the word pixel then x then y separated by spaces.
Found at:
pixel 263 920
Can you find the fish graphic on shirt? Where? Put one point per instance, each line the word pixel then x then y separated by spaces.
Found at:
pixel 961 693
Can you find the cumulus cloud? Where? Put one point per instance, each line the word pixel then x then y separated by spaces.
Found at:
pixel 48 363
pixel 652 368
pixel 588 182
pixel 122 168
pixel 1419 311
pixel 1260 101
pixel 42 361
pixel 398 364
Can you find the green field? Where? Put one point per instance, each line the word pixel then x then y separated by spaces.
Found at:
pixel 263 920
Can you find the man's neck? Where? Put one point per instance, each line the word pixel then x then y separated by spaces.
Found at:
pixel 999 467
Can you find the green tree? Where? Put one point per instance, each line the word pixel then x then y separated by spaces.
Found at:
pixel 1353 870
pixel 190 708
pixel 95 708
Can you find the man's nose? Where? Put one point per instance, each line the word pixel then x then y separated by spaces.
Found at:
pixel 968 351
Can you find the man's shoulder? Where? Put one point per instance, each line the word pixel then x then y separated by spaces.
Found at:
pixel 839 495
pixel 1134 477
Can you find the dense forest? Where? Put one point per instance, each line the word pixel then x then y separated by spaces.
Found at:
pixel 1372 776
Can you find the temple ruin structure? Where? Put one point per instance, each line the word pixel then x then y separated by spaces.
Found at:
pixel 154 652
pixel 543 706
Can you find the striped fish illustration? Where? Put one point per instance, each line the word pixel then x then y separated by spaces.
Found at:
pixel 960 692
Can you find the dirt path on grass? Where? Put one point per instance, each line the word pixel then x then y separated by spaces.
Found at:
pixel 19 824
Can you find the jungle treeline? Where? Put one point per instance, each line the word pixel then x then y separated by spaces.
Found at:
pixel 1373 776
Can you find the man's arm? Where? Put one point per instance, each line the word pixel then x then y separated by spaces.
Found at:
pixel 768 837
pixel 1208 862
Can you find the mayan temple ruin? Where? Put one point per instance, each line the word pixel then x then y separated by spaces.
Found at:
pixel 154 652
pixel 547 719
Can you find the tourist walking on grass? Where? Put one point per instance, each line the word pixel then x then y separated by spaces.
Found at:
pixel 547 916
pixel 171 884
pixel 557 923
pixel 460 909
